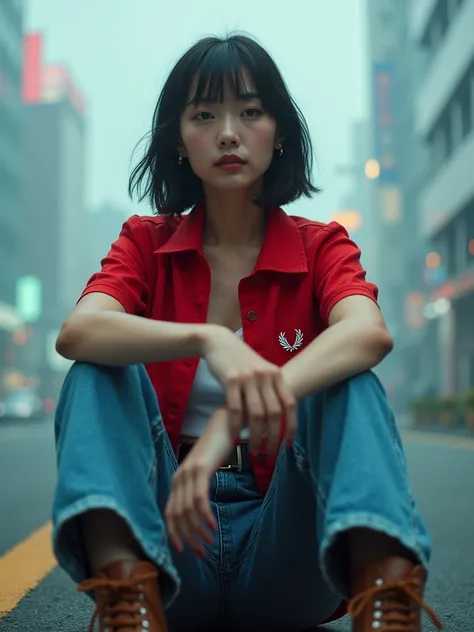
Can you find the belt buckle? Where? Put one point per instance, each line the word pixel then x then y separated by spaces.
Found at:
pixel 237 467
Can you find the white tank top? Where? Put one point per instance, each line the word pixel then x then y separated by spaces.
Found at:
pixel 207 395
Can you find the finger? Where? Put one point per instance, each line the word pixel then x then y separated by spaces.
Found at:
pixel 289 406
pixel 255 410
pixel 170 515
pixel 274 413
pixel 233 394
pixel 203 506
pixel 187 518
pixel 197 492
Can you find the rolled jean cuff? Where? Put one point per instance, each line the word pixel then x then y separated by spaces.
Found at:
pixel 332 566
pixel 68 546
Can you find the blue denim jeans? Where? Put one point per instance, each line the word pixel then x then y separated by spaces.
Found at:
pixel 278 562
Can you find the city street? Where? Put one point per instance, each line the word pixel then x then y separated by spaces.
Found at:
pixel 442 474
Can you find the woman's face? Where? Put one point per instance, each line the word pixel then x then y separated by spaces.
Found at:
pixel 229 145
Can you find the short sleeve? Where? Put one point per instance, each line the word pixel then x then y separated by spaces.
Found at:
pixel 123 271
pixel 338 272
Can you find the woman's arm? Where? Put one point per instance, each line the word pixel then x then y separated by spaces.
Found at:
pixel 99 331
pixel 356 340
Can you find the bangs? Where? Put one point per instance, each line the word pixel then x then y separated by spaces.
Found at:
pixel 222 68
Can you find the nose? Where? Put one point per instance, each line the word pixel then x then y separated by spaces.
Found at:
pixel 228 135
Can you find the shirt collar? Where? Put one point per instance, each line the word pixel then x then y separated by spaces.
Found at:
pixel 282 249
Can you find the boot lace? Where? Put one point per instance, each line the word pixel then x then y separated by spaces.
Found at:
pixel 125 605
pixel 392 612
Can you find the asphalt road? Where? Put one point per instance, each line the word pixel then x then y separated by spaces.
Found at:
pixel 442 475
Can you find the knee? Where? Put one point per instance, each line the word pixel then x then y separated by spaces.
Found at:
pixel 357 392
pixel 85 382
pixel 99 391
pixel 367 381
pixel 84 373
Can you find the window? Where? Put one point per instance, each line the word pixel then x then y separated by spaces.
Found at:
pixel 455 122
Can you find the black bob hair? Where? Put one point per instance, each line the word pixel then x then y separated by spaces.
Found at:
pixel 211 65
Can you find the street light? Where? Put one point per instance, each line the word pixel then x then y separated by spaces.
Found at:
pixel 433 260
pixel 351 219
pixel 372 169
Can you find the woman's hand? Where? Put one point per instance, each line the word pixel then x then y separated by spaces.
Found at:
pixel 255 390
pixel 188 511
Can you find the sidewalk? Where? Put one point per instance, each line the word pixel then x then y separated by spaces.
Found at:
pixel 405 422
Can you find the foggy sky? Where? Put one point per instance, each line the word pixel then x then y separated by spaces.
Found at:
pixel 121 51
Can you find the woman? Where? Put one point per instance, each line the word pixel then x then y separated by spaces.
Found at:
pixel 222 387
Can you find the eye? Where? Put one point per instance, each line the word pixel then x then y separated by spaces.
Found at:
pixel 202 116
pixel 252 112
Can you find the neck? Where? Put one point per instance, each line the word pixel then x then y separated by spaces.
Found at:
pixel 232 219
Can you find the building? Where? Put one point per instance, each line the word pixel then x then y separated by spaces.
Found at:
pixel 444 120
pixel 101 228
pixel 356 214
pixel 394 168
pixel 54 156
pixel 11 217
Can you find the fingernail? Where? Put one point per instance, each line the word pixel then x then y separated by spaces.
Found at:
pixel 200 553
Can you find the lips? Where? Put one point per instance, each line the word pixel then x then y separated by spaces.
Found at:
pixel 230 159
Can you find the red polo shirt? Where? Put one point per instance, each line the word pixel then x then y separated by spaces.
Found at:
pixel 157 269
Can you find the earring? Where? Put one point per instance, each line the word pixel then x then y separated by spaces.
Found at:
pixel 180 159
pixel 280 149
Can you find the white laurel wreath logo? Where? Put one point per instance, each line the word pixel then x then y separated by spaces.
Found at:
pixel 286 345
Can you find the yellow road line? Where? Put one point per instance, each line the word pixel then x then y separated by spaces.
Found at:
pixel 24 566
pixel 442 440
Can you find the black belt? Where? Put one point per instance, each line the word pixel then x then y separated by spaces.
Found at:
pixel 238 460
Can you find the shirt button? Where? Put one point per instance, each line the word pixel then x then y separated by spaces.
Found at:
pixel 188 361
pixel 261 458
pixel 252 315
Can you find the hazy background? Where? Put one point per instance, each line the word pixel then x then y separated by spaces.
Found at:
pixel 387 88
pixel 121 52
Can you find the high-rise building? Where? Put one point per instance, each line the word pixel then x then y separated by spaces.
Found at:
pixel 11 211
pixel 356 214
pixel 444 120
pixel 386 20
pixel 101 228
pixel 55 125
pixel 397 171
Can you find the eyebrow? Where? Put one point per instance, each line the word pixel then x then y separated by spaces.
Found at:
pixel 242 96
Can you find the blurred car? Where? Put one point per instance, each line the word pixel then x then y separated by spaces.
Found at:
pixel 21 403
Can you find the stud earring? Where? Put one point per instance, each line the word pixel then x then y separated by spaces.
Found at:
pixel 180 159
pixel 280 149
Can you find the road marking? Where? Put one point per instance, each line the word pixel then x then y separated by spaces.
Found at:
pixel 24 566
pixel 442 440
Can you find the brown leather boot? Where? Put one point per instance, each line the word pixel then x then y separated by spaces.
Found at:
pixel 388 596
pixel 128 598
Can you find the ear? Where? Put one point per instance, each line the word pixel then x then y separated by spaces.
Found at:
pixel 279 140
pixel 182 149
